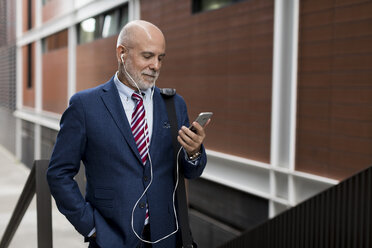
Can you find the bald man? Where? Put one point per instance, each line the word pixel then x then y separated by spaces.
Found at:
pixel 120 131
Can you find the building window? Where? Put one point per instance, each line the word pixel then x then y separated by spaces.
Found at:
pixel 46 1
pixel 87 30
pixel 206 5
pixel 29 14
pixel 55 41
pixel 29 66
pixel 110 24
pixel 123 16
pixel 103 25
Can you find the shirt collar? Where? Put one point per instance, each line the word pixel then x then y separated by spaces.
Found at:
pixel 128 92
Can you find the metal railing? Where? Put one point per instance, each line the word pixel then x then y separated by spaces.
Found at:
pixel 36 183
pixel 339 217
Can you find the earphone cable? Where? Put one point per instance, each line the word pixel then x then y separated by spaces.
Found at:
pixel 151 174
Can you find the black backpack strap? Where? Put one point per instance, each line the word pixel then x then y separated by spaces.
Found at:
pixel 181 191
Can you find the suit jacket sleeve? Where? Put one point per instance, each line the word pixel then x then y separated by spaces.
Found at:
pixel 64 165
pixel 190 170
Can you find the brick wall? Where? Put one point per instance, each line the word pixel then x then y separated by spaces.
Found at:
pixel 334 135
pixel 221 61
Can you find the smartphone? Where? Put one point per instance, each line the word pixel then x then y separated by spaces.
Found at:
pixel 202 119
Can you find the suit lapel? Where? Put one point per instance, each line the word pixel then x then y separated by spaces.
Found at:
pixel 110 97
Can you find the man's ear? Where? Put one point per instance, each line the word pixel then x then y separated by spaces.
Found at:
pixel 121 53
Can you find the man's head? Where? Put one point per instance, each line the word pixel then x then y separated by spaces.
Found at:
pixel 140 50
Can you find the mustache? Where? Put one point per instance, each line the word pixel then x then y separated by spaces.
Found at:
pixel 150 73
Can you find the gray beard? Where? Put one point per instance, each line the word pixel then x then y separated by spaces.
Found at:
pixel 138 82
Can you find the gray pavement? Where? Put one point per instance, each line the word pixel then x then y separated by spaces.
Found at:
pixel 13 176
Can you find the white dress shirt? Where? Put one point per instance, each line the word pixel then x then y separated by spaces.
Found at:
pixel 129 104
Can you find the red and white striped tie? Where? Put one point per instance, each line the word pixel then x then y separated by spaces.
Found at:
pixel 139 127
pixel 140 134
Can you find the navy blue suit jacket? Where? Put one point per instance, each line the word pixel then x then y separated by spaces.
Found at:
pixel 95 130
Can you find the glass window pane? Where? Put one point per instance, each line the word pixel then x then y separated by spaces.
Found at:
pixel 110 24
pixel 44 46
pixel 123 16
pixel 214 4
pixel 86 30
pixel 45 1
pixel 99 26
pixel 205 5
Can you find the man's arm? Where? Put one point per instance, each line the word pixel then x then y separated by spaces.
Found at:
pixel 65 164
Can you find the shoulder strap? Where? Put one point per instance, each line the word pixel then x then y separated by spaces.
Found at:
pixel 181 192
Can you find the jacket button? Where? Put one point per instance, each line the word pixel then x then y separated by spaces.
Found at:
pixel 142 205
pixel 145 178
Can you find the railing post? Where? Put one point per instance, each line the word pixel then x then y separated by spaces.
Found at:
pixel 36 183
pixel 43 205
pixel 20 209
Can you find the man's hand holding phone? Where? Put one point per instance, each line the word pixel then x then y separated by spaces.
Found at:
pixel 192 138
